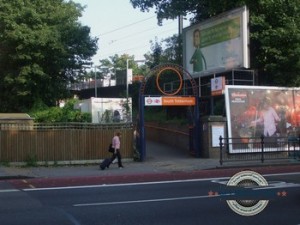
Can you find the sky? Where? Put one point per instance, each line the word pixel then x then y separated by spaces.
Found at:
pixel 121 29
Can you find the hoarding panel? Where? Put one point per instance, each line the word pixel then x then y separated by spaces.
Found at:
pixel 254 111
pixel 217 44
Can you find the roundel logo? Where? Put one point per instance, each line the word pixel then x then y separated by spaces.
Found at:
pixel 247 207
pixel 149 101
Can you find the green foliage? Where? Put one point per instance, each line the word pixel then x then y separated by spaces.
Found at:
pixel 64 114
pixel 276 35
pixel 116 62
pixel 42 48
pixel 31 160
pixel 55 164
pixel 156 114
pixel 161 115
pixel 5 163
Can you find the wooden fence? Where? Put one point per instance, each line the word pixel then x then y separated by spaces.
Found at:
pixel 69 142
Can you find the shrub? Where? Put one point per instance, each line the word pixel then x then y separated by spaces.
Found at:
pixel 64 114
pixel 31 160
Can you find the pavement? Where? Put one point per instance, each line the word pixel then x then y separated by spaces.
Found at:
pixel 162 163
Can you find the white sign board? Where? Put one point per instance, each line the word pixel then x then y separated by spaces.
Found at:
pixel 216 132
pixel 153 101
pixel 218 44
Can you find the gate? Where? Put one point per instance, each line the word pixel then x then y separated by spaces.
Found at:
pixel 179 91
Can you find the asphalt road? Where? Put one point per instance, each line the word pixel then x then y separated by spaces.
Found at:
pixel 195 201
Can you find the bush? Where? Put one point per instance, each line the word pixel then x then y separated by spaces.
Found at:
pixel 64 114
pixel 31 160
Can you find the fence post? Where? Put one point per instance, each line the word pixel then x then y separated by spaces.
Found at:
pixel 294 146
pixel 262 148
pixel 221 150
pixel 298 155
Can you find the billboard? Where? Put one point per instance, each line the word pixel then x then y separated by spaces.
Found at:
pixel 253 111
pixel 218 44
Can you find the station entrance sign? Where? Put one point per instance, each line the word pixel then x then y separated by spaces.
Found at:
pixel 170 80
pixel 170 101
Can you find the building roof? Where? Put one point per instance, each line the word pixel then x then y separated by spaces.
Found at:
pixel 15 116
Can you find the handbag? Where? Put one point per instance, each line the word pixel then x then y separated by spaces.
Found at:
pixel 110 148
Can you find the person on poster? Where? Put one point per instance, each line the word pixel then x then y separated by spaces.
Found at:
pixel 198 60
pixel 268 117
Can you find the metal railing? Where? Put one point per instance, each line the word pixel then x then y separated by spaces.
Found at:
pixel 259 148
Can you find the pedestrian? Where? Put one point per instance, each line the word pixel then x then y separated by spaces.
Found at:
pixel 116 143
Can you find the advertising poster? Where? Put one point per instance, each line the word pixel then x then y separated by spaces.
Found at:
pixel 254 111
pixel 217 44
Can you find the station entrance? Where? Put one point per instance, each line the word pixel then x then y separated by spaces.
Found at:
pixel 169 85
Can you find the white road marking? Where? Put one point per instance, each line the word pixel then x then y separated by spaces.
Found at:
pixel 149 200
pixel 274 184
pixel 9 190
pixel 118 185
pixel 277 184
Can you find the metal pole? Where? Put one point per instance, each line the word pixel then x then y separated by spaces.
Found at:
pixel 127 79
pixel 95 70
pixel 221 150
pixel 141 127
pixel 262 137
pixel 180 24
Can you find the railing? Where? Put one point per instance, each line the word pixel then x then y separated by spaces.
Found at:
pixel 67 142
pixel 259 148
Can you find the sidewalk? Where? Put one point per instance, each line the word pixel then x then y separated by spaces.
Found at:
pixel 160 160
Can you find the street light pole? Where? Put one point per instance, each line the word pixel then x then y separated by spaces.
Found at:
pixel 127 79
pixel 95 71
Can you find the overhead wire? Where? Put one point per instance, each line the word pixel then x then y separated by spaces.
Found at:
pixel 135 34
pixel 126 26
pixel 133 47
pixel 139 32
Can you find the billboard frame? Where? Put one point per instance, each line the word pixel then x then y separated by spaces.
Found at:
pixel 224 43
pixel 249 110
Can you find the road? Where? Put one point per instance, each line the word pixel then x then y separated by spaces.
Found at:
pixel 196 201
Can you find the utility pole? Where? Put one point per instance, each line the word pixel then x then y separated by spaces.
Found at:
pixel 180 24
pixel 95 71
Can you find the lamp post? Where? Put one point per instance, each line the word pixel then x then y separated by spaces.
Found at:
pixel 127 78
pixel 95 71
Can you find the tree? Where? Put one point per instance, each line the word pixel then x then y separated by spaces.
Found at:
pixel 42 50
pixel 167 51
pixel 274 31
pixel 117 62
pixel 155 58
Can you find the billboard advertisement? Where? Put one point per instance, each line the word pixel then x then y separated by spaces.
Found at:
pixel 253 111
pixel 218 44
